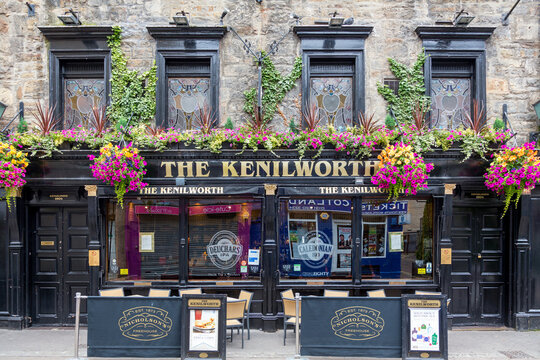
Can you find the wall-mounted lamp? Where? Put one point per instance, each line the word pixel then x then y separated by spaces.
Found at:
pixel 70 18
pixel 2 108
pixel 223 14
pixel 181 18
pixel 463 19
pixel 335 21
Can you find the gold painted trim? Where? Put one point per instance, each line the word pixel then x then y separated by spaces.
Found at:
pixel 449 189
pixel 270 189
pixel 91 189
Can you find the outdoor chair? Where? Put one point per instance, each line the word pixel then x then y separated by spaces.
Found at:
pixel 287 294
pixel 376 293
pixel 159 293
pixel 116 292
pixel 247 296
pixel 190 291
pixel 289 315
pixel 336 293
pixel 235 316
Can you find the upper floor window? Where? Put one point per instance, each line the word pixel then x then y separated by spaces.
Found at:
pixel 333 72
pixel 83 86
pixel 79 72
pixel 189 92
pixel 454 71
pixel 188 74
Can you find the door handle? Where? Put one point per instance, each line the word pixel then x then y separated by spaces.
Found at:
pixel 479 256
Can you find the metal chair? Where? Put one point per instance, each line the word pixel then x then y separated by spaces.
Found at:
pixel 235 316
pixel 116 292
pixel 336 293
pixel 190 291
pixel 376 293
pixel 159 293
pixel 289 315
pixel 247 296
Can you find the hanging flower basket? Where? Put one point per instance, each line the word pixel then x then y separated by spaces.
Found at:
pixel 512 171
pixel 122 168
pixel 401 171
pixel 13 165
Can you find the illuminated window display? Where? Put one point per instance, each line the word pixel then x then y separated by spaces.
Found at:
pixel 224 239
pixel 143 240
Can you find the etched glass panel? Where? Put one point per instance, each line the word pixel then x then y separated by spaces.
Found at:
pixel 451 101
pixel 333 98
pixel 186 97
pixel 80 96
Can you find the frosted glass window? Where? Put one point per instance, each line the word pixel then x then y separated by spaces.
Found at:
pixel 451 101
pixel 186 97
pixel 80 96
pixel 333 97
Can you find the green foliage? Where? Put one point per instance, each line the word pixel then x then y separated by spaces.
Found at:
pixel 228 124
pixel 292 127
pixel 22 127
pixel 274 86
pixel 389 122
pixel 498 124
pixel 411 92
pixel 131 92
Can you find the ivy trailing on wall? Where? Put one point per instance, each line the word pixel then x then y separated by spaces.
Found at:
pixel 131 92
pixel 411 92
pixel 274 85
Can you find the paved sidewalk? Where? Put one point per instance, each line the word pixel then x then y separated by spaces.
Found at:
pixel 57 343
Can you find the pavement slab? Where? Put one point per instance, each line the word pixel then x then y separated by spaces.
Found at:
pixel 58 344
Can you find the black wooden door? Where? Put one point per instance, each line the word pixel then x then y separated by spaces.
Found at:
pixel 59 263
pixel 479 267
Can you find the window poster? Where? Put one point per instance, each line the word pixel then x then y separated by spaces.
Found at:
pixel 396 241
pixel 146 242
pixel 344 261
pixel 424 329
pixel 344 237
pixel 203 332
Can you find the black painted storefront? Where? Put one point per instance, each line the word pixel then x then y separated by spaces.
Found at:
pixel 493 278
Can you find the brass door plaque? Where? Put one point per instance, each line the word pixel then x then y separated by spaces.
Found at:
pixel 47 243
pixel 446 256
pixel 93 257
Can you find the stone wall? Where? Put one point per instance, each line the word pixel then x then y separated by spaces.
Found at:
pixel 512 52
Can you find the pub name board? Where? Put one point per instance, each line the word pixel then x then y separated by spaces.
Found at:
pixel 266 168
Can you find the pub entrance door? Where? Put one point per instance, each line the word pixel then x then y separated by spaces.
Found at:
pixel 479 277
pixel 58 263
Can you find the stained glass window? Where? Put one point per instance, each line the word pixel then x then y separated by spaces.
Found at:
pixel 186 97
pixel 451 101
pixel 80 96
pixel 333 98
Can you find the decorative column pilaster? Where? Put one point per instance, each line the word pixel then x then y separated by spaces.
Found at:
pixel 95 257
pixel 522 250
pixel 16 266
pixel 270 270
pixel 445 245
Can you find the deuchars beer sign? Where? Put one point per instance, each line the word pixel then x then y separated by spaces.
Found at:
pixel 224 249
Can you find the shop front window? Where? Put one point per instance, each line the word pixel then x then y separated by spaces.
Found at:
pixel 397 239
pixel 143 240
pixel 224 239
pixel 315 238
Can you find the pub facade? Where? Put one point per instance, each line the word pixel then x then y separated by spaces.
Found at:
pixel 267 221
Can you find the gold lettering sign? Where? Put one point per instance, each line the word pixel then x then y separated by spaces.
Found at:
pixel 357 323
pixel 266 168
pixel 210 303
pixel 446 256
pixel 47 243
pixel 58 196
pixel 181 190
pixel 423 303
pixel 145 323
pixel 93 257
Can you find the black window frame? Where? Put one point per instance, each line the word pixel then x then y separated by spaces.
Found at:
pixel 75 44
pixel 447 43
pixel 347 42
pixel 175 44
